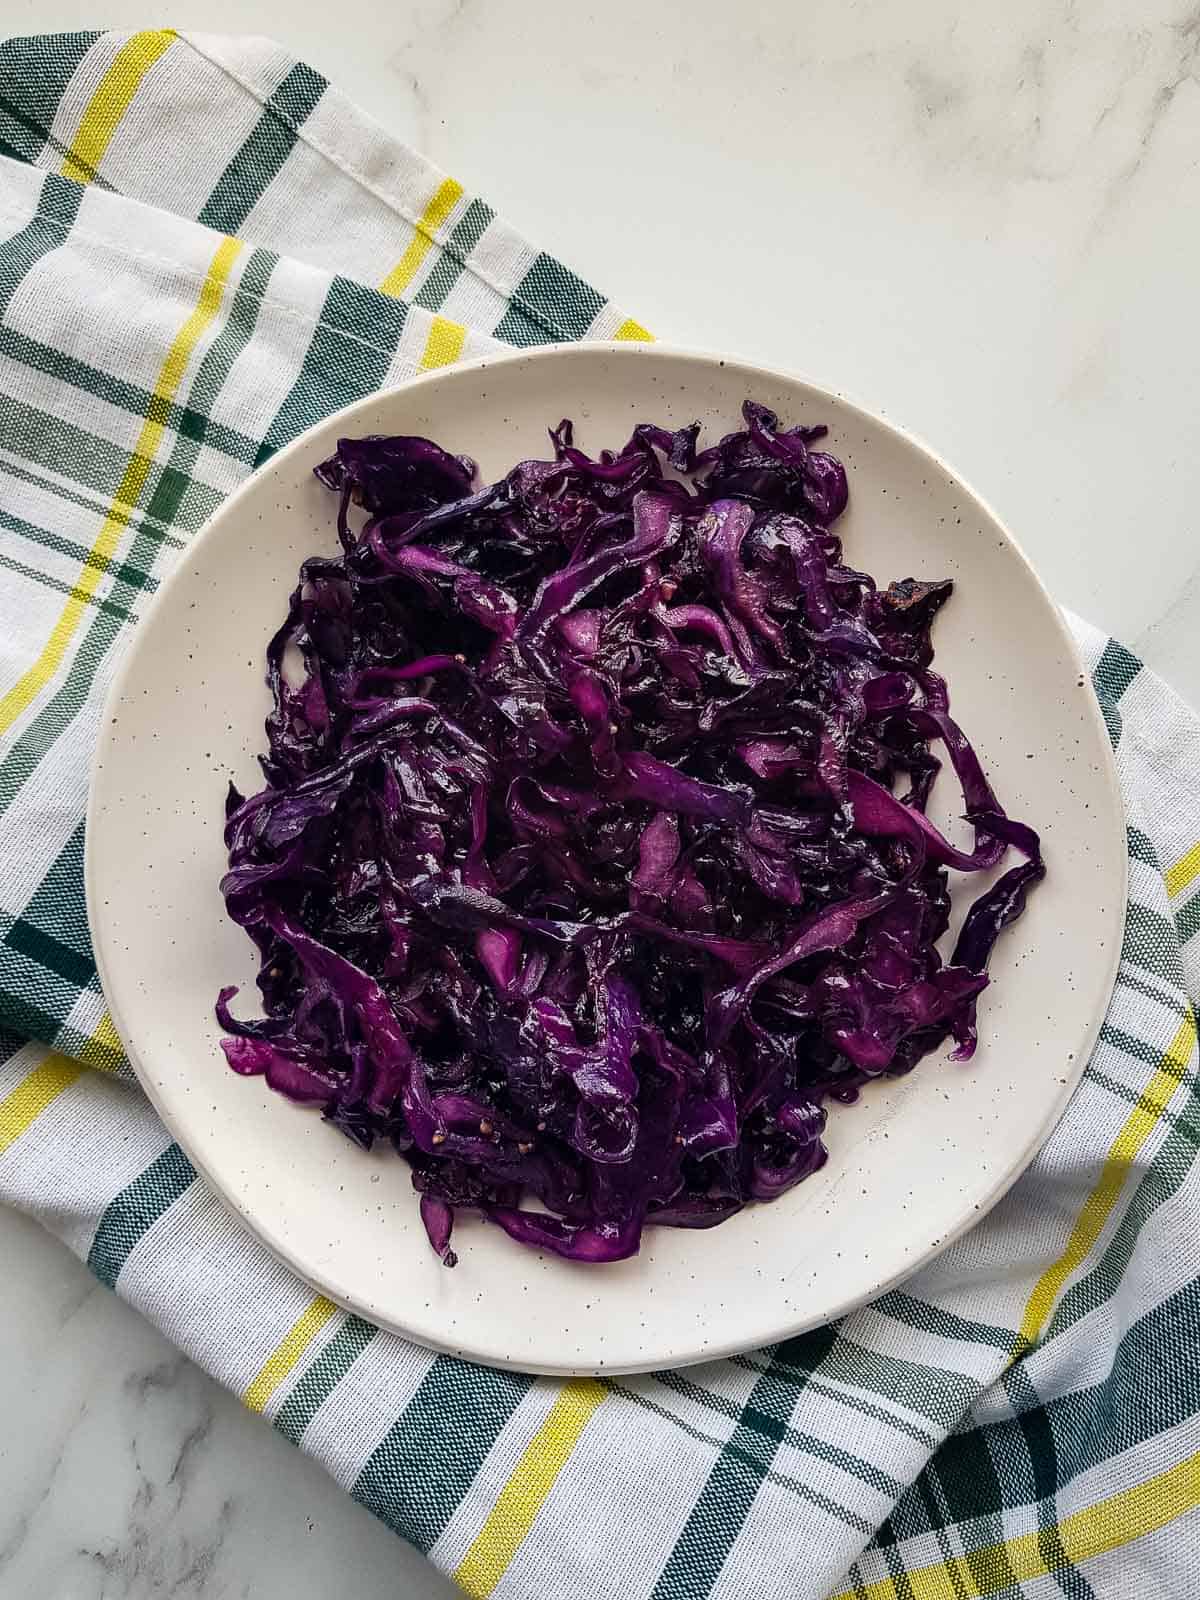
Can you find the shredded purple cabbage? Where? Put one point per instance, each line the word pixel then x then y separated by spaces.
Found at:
pixel 592 860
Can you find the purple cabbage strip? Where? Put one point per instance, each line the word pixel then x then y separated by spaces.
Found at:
pixel 592 864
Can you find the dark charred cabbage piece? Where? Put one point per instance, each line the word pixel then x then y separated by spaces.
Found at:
pixel 592 861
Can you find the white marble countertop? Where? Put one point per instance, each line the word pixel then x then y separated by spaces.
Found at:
pixel 984 223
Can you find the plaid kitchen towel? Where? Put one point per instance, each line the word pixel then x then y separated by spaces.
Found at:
pixel 204 250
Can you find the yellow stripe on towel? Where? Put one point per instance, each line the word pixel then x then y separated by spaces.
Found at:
pixel 112 100
pixel 523 1496
pixel 288 1352
pixel 1098 1205
pixel 35 678
pixel 21 1109
pixel 448 194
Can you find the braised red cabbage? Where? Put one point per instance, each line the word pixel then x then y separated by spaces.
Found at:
pixel 592 861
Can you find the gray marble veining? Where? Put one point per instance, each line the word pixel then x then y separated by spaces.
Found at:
pixel 126 1474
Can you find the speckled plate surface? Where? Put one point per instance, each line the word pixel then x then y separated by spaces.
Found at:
pixel 912 1165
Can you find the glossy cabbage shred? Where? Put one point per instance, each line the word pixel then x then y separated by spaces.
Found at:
pixel 592 862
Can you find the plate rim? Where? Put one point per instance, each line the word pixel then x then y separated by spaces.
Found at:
pixel 721 1349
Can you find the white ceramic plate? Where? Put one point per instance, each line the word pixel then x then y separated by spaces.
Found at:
pixel 912 1165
